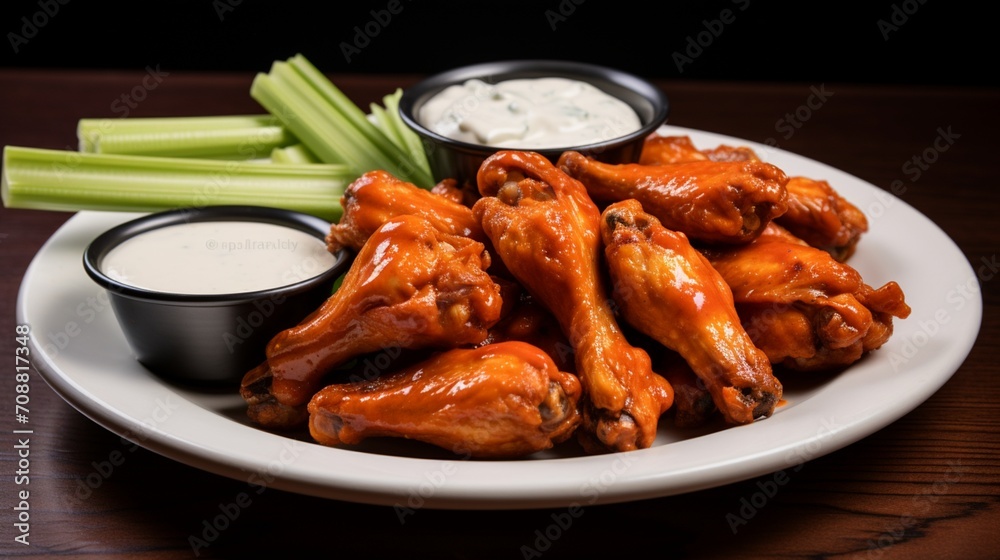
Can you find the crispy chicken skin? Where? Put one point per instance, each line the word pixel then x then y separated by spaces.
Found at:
pixel 712 202
pixel 666 150
pixel 502 400
pixel 723 152
pixel 377 196
pixel 410 286
pixel 802 307
pixel 823 218
pixel 668 290
pixel 658 149
pixel 547 231
pixel 815 211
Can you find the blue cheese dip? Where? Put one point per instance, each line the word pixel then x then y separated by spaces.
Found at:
pixel 224 257
pixel 529 113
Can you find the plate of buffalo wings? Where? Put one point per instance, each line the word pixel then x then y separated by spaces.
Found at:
pixel 568 332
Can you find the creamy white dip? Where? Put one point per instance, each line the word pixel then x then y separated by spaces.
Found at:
pixel 217 258
pixel 528 113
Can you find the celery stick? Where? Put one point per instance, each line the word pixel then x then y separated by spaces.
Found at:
pixel 409 140
pixel 381 120
pixel 71 181
pixel 88 131
pixel 328 123
pixel 289 97
pixel 296 153
pixel 351 113
pixel 225 143
pixel 387 120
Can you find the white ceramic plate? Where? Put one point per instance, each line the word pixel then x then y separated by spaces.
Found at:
pixel 80 351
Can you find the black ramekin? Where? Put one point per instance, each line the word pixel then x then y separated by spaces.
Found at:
pixel 459 160
pixel 215 338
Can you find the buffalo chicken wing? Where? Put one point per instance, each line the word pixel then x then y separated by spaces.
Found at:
pixel 802 307
pixel 823 218
pixel 496 401
pixel 815 212
pixel 713 202
pixel 668 290
pixel 411 286
pixel 547 231
pixel 375 197
pixel 665 150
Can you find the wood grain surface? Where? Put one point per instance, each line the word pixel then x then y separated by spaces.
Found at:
pixel 926 486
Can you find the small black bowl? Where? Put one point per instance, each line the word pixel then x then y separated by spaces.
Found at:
pixel 209 338
pixel 460 160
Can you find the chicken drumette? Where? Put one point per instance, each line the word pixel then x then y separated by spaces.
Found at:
pixel 411 286
pixel 664 150
pixel 377 196
pixel 815 212
pixel 668 290
pixel 823 218
pixel 658 149
pixel 802 307
pixel 713 202
pixel 496 401
pixel 547 231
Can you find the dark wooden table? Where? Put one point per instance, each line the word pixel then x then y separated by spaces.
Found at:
pixel 858 502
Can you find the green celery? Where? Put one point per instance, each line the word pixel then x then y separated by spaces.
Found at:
pixel 71 181
pixel 235 143
pixel 223 137
pixel 296 153
pixel 328 123
pixel 383 121
pixel 302 118
pixel 90 131
pixel 408 140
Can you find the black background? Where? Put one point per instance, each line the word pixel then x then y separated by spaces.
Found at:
pixel 937 43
